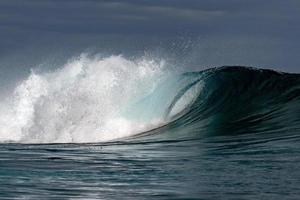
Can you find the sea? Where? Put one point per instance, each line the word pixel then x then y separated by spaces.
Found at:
pixel 109 127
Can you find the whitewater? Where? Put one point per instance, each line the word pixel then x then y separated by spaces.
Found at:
pixel 85 100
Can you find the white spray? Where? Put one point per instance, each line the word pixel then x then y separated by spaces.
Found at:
pixel 81 102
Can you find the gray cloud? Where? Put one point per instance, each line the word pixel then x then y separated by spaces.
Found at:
pixel 146 17
pixel 249 32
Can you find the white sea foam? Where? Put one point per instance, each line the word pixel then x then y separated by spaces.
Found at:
pixel 83 101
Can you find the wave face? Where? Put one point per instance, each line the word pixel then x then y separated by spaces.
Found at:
pixel 104 99
pixel 239 100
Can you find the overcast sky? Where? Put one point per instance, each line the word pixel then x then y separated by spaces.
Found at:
pixel 196 32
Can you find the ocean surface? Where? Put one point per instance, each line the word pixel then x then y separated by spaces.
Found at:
pixel 113 128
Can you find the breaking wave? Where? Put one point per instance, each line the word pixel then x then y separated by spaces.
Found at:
pixel 104 99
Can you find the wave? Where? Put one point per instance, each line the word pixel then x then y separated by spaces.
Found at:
pixel 105 99
pixel 238 100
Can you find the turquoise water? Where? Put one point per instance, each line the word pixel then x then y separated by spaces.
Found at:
pixel 237 138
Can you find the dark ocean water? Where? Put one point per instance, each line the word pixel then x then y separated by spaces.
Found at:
pixel 238 138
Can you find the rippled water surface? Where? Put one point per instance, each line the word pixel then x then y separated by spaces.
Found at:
pixel 218 167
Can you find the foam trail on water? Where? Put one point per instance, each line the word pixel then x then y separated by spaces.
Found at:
pixel 83 101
